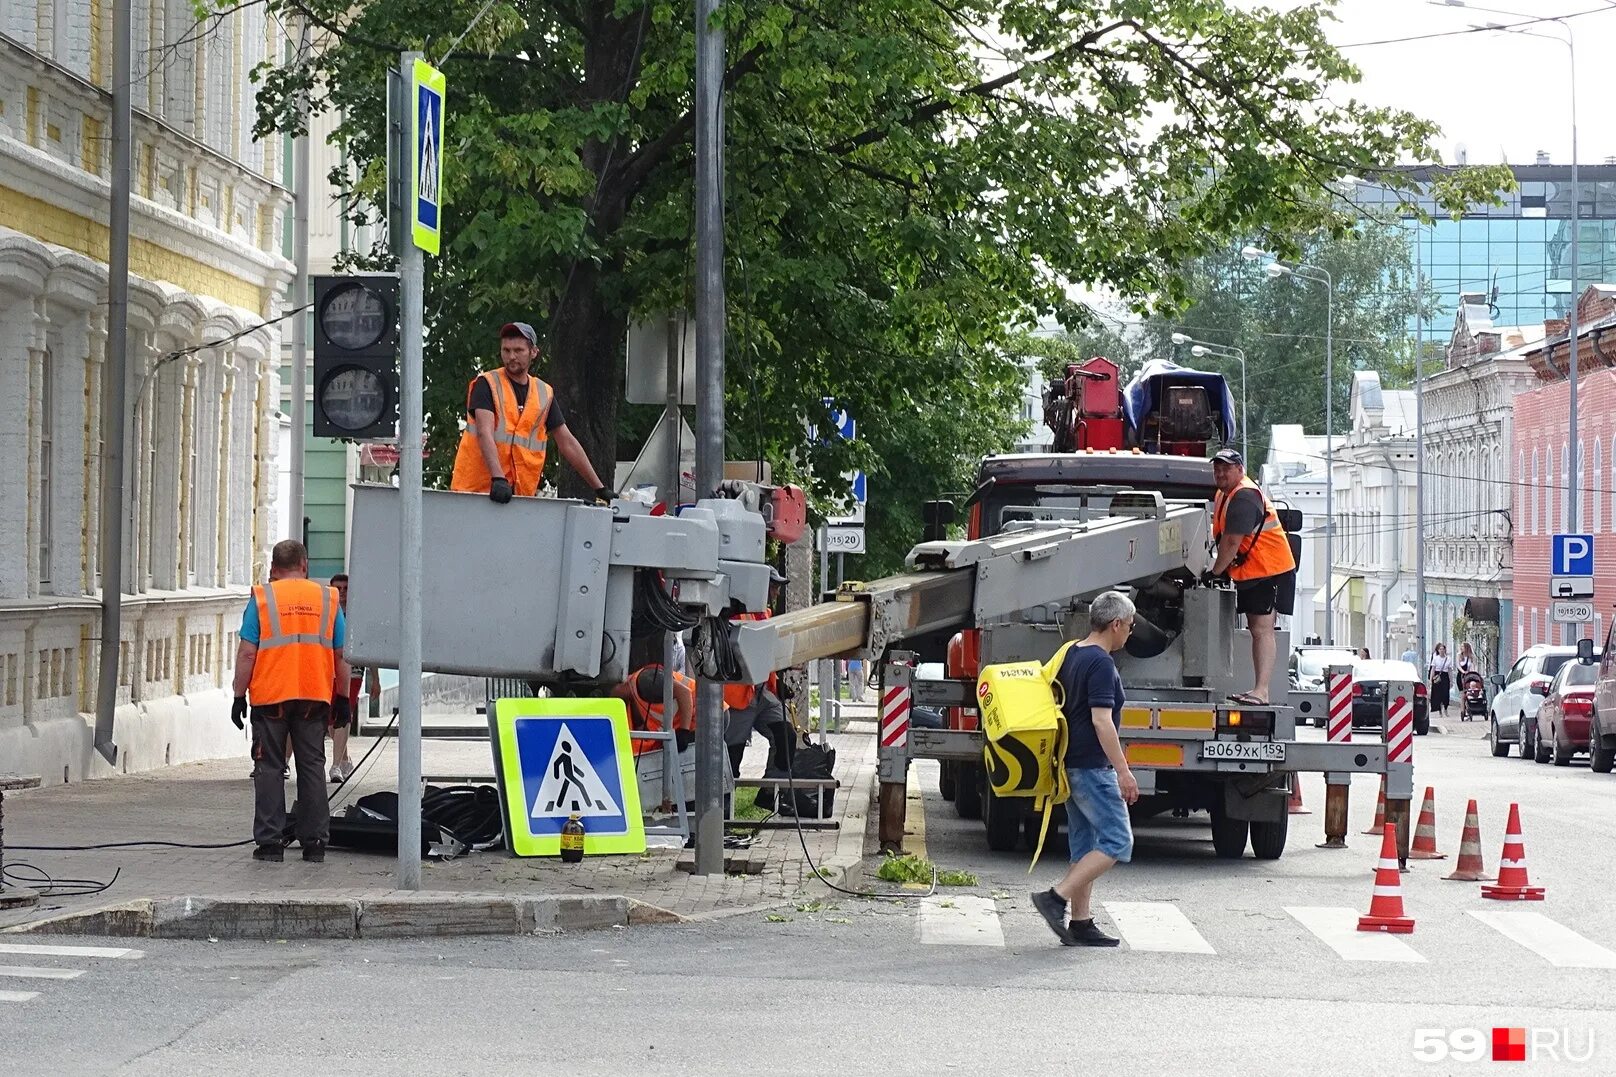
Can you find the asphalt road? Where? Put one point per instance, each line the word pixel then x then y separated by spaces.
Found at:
pixel 1230 968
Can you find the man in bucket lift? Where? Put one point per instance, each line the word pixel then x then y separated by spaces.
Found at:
pixel 1250 546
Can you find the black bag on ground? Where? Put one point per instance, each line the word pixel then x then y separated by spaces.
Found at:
pixel 809 761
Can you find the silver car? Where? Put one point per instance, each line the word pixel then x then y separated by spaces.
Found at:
pixel 1520 692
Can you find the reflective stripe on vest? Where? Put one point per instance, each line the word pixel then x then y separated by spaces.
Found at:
pixel 296 647
pixel 504 434
pixel 1266 551
pixel 649 713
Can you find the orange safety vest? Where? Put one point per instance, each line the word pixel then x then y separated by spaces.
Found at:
pixel 1265 552
pixel 738 697
pixel 521 436
pixel 297 655
pixel 647 713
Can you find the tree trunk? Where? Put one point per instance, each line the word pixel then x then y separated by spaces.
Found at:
pixel 586 368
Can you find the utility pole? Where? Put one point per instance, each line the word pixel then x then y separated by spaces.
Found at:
pixel 300 298
pixel 114 379
pixel 412 282
pixel 711 762
pixel 1419 448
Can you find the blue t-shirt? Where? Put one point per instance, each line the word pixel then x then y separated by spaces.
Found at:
pixel 252 633
pixel 1088 679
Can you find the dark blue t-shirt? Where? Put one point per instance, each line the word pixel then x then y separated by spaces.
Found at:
pixel 1088 679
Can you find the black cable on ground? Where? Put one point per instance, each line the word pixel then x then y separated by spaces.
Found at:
pixel 46 885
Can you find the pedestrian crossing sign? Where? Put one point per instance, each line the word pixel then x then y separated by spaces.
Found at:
pixel 426 155
pixel 556 758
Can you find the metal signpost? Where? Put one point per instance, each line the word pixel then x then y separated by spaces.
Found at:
pixel 423 115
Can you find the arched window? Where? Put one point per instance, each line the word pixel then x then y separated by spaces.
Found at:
pixel 1531 498
pixel 1596 479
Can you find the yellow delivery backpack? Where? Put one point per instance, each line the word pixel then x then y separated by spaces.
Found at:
pixel 1025 732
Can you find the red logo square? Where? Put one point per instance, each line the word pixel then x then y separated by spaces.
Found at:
pixel 1509 1045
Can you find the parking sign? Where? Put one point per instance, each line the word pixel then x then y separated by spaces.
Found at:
pixel 1572 555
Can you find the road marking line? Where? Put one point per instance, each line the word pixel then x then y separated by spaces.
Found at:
pixel 1337 928
pixel 28 972
pixel 914 838
pixel 960 921
pixel 44 950
pixel 17 996
pixel 1550 940
pixel 1157 925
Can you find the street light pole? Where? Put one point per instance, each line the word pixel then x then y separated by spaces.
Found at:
pixel 1319 275
pixel 1228 351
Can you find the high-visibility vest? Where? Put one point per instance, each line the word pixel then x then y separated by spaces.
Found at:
pixel 1266 551
pixel 297 656
pixel 521 436
pixel 647 713
pixel 741 696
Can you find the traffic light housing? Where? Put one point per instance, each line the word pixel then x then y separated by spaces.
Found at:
pixel 356 356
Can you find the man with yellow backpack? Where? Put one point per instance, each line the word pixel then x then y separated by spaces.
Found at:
pixel 1102 786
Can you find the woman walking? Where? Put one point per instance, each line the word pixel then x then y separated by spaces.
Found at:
pixel 1440 674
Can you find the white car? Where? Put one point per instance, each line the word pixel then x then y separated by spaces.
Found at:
pixel 1513 714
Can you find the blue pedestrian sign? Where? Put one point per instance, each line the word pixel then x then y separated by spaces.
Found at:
pixel 1573 555
pixel 556 758
pixel 426 155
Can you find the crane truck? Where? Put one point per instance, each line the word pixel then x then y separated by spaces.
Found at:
pixel 1121 504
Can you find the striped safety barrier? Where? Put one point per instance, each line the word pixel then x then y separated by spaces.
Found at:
pixel 895 705
pixel 1400 728
pixel 1338 726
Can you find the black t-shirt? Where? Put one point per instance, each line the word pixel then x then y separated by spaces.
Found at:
pixel 482 399
pixel 1088 679
pixel 1244 514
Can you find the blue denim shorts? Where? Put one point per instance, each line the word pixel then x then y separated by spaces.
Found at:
pixel 1096 817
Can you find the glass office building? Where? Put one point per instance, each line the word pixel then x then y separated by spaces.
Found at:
pixel 1519 253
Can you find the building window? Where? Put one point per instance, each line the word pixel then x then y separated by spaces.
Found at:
pixel 1534 624
pixel 1531 497
pixel 47 432
pixel 1563 516
pixel 1594 478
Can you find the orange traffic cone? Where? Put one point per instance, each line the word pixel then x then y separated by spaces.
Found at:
pixel 1294 807
pixel 1513 884
pixel 1380 811
pixel 1424 847
pixel 1470 868
pixel 1386 907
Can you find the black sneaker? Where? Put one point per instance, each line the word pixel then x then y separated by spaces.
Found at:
pixel 314 853
pixel 1084 933
pixel 1053 909
pixel 272 853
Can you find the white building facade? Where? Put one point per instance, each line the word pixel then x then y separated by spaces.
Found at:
pixel 1293 475
pixel 1374 576
pixel 202 384
pixel 1469 434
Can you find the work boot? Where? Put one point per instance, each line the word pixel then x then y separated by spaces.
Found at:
pixel 273 853
pixel 314 852
pixel 1052 907
pixel 1084 933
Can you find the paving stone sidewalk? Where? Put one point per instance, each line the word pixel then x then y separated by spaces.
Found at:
pixel 211 803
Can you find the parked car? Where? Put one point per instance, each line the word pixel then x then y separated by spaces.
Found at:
pixel 1562 718
pixel 1602 729
pixel 1308 665
pixel 1369 680
pixel 1519 693
pixel 928 717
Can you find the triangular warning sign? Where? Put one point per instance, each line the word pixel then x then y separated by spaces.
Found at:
pixel 570 783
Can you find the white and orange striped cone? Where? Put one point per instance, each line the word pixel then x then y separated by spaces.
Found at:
pixel 1380 811
pixel 1470 868
pixel 1386 906
pixel 1294 806
pixel 1513 885
pixel 1424 847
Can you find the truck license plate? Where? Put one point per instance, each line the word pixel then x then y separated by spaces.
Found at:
pixel 1242 751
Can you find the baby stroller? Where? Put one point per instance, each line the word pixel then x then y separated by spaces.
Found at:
pixel 1475 695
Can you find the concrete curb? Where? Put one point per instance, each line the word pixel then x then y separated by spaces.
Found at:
pixel 383 915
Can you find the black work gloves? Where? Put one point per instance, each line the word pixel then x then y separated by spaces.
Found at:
pixel 500 492
pixel 238 712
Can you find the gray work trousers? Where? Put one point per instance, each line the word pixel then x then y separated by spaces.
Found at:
pixel 305 720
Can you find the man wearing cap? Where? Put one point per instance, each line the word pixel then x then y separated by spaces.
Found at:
pixel 1251 548
pixel 510 418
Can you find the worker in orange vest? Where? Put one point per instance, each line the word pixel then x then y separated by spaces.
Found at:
pixel 1251 548
pixel 757 707
pixel 289 657
pixel 510 418
pixel 643 693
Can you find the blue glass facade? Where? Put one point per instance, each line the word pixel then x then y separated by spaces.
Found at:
pixel 1518 252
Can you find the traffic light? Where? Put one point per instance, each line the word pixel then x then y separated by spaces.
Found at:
pixel 356 356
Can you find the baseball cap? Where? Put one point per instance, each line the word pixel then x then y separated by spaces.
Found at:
pixel 1229 456
pixel 519 329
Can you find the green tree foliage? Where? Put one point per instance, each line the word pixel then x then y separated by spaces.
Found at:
pixel 1280 325
pixel 902 186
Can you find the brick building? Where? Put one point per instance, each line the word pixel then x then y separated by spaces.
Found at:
pixel 206 223
pixel 1542 451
